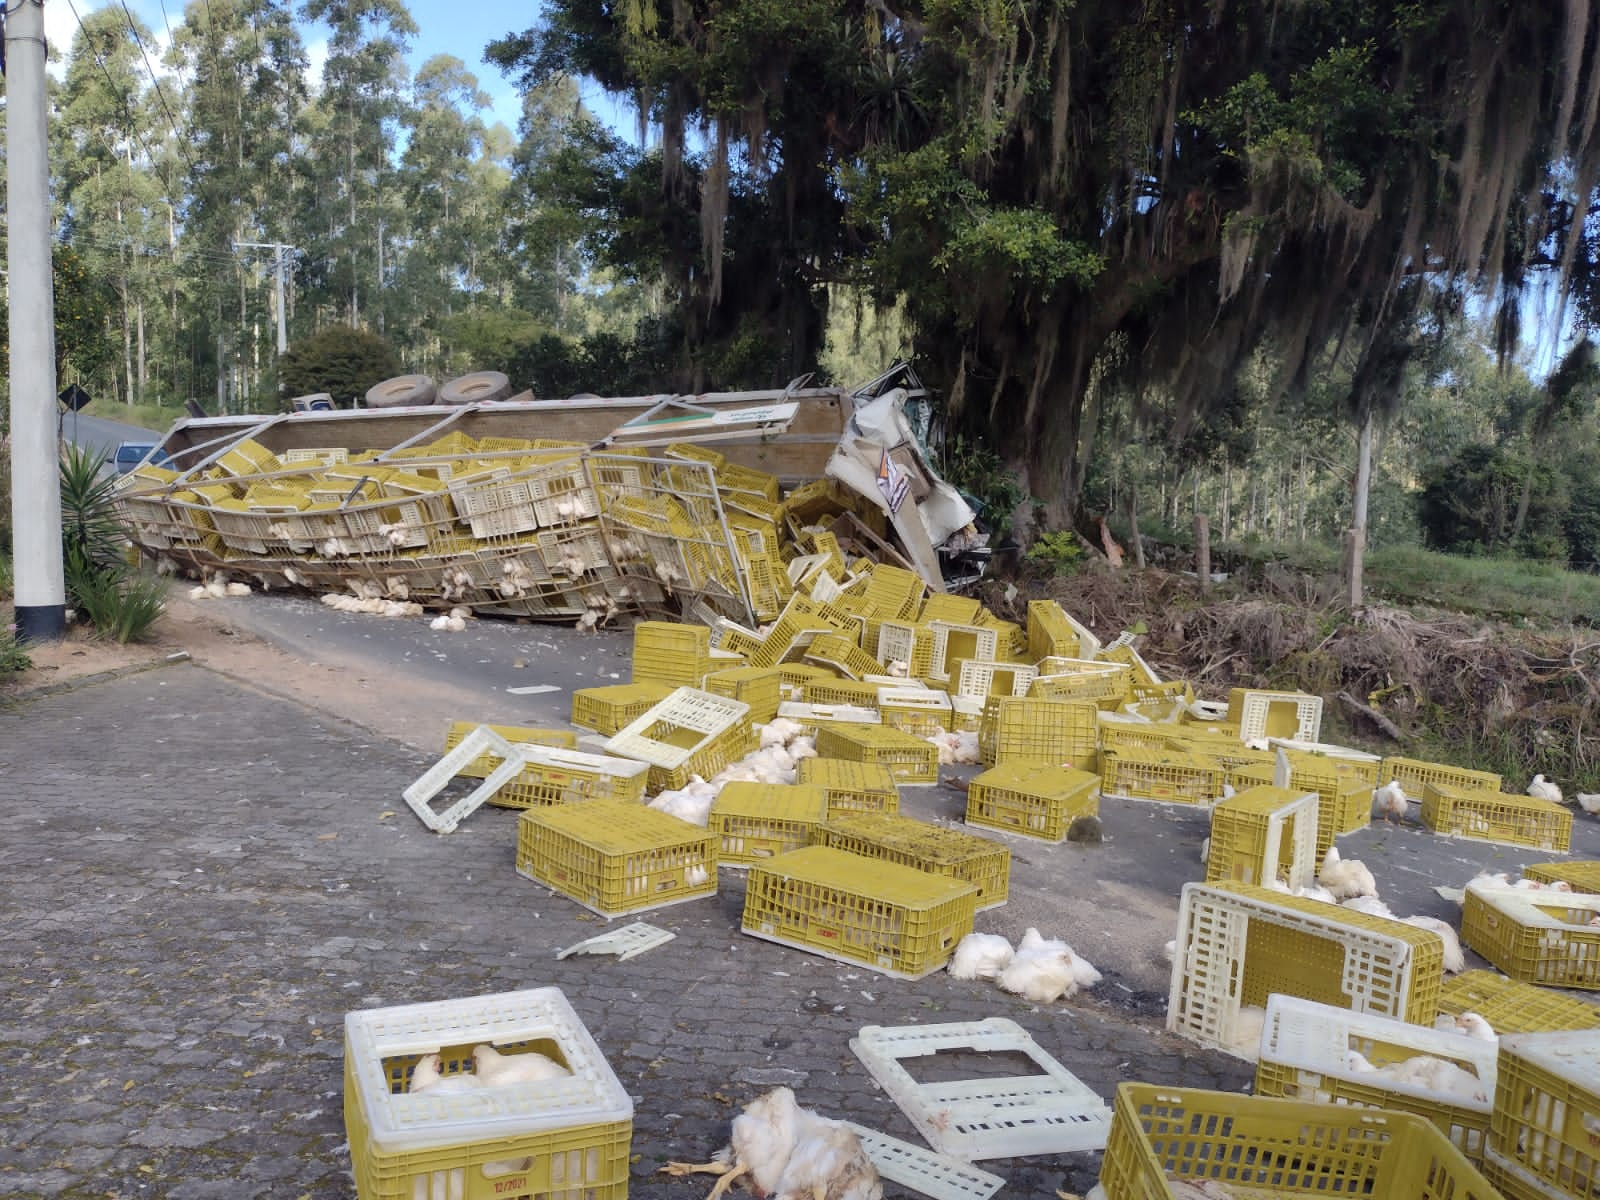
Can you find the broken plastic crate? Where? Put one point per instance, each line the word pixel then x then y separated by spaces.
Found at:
pixel 755 821
pixel 1306 1054
pixel 880 915
pixel 937 849
pixel 1546 1117
pixel 480 742
pixel 1239 944
pixel 613 857
pixel 690 732
pixel 561 1137
pixel 1545 937
pixel 1262 1147
pixel 1344 804
pixel 1511 1006
pixel 910 759
pixel 1033 800
pixel 852 786
pixel 1262 834
pixel 1048 1110
pixel 1486 816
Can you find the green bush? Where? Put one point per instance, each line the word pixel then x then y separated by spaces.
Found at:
pixel 13 657
pixel 976 470
pixel 339 360
pixel 1061 551
pixel 118 603
pixel 124 605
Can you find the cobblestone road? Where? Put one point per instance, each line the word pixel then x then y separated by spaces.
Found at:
pixel 200 880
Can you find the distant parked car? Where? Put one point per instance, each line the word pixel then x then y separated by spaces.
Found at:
pixel 130 454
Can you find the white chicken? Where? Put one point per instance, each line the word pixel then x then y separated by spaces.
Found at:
pixel 960 747
pixel 1439 1076
pixel 981 956
pixel 780 731
pixel 1370 905
pixel 428 1076
pixel 1245 1036
pixel 690 803
pixel 789 1153
pixel 1389 802
pixel 528 1066
pixel 1454 960
pixel 803 747
pixel 1589 802
pixel 1045 970
pixel 1205 852
pixel 1467 1024
pixel 1541 788
pixel 1500 881
pixel 1346 879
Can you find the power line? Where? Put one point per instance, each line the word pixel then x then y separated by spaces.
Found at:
pixel 160 95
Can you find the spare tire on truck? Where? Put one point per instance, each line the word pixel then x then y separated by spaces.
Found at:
pixel 401 391
pixel 475 388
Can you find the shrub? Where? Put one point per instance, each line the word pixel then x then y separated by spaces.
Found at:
pixel 1060 552
pixel 123 605
pixel 976 470
pixel 117 603
pixel 339 360
pixel 13 657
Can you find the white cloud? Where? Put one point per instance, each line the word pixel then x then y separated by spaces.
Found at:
pixel 317 58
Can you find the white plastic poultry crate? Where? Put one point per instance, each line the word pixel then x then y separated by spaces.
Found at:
pixel 923 1170
pixel 567 1136
pixel 480 741
pixel 952 641
pixel 1047 1112
pixel 1239 944
pixel 1264 714
pixel 1306 1055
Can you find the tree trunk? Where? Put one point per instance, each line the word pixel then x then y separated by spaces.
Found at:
pixel 1525 497
pixel 1227 501
pixel 1356 541
pixel 1202 551
pixel 1133 526
pixel 143 362
pixel 1300 503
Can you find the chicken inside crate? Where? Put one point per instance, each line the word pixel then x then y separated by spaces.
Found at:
pixel 1191 1144
pixel 1546 1118
pixel 852 786
pixel 487 1096
pixel 1264 834
pixel 982 862
pixel 1031 799
pixel 1494 816
pixel 1547 938
pixel 1319 1053
pixel 1239 944
pixel 756 821
pixel 1580 876
pixel 1511 1006
pixel 886 917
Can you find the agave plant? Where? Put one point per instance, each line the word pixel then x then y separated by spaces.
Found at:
pixel 119 603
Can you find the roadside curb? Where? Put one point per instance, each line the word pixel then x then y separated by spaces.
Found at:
pixel 72 685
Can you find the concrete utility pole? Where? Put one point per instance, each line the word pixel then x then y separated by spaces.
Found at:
pixel 41 593
pixel 282 269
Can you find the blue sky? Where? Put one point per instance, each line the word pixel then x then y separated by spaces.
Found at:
pixel 459 27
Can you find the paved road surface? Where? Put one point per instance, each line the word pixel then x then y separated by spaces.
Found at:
pixel 102 433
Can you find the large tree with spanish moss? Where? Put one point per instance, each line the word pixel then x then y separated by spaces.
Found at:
pixel 1044 179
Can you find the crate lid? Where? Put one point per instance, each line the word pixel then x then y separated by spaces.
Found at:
pixel 1573 1054
pixel 616 826
pixel 400 1122
pixel 937 843
pixel 887 881
pixel 1531 908
pixel 843 773
pixel 1036 779
pixel 780 801
pixel 1262 799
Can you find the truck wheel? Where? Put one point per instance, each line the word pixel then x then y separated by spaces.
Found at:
pixel 475 388
pixel 401 391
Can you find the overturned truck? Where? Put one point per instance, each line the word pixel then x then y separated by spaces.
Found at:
pixel 720 506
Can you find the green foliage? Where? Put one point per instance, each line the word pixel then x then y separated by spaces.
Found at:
pixel 1468 505
pixel 488 339
pixel 120 604
pixel 1060 551
pixel 13 657
pixel 977 470
pixel 339 360
pixel 1024 246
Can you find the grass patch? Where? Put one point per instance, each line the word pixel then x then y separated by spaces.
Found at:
pixel 157 418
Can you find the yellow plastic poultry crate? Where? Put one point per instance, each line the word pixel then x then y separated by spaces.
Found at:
pixel 1511 1006
pixel 483 766
pixel 910 759
pixel 937 849
pixel 1032 800
pixel 665 652
pixel 1356 765
pixel 1167 777
pixel 1544 937
pixel 880 915
pixel 1103 684
pixel 1343 805
pixel 947 606
pixel 1414 774
pixel 613 857
pixel 814 717
pixel 1262 834
pixel 608 709
pixel 975 643
pixel 1238 944
pixel 838 651
pixel 689 732
pixel 795 676
pixel 551 775
pixel 1051 631
pixel 1581 876
pixel 1317 1053
pixel 1264 1148
pixel 1264 714
pixel 563 1137
pixel 759 687
pixel 892 592
pixel 1514 1182
pixel 756 821
pixel 1547 1110
pixel 1022 729
pixel 915 710
pixel 980 680
pixel 1487 816
pixel 852 787
pixel 1141 673
pixel 850 693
